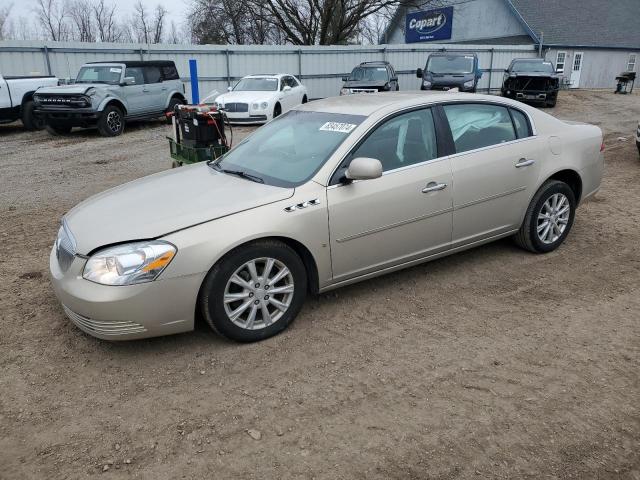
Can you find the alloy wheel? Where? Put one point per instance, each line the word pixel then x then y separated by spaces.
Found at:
pixel 553 218
pixel 258 293
pixel 114 122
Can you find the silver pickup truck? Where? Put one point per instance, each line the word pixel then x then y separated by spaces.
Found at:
pixel 108 94
pixel 16 99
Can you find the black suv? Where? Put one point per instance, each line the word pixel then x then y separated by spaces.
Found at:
pixel 371 77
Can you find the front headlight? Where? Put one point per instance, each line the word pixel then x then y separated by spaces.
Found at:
pixel 91 92
pixel 344 91
pixel 426 83
pixel 469 84
pixel 130 263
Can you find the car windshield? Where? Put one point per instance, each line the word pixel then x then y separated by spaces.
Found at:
pixel 291 149
pixel 267 84
pixel 532 67
pixel 455 65
pixel 369 74
pixel 102 74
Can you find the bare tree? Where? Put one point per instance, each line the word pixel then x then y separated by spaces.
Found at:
pixel 52 16
pixel 174 35
pixel 157 25
pixel 4 21
pixel 81 16
pixel 140 24
pixel 107 30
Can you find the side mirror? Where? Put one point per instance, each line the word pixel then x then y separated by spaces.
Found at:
pixel 129 81
pixel 506 70
pixel 345 79
pixel 286 88
pixel 364 168
pixel 229 88
pixel 419 73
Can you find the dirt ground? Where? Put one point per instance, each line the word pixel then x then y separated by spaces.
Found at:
pixel 493 363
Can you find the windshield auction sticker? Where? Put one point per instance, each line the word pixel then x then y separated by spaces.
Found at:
pixel 338 127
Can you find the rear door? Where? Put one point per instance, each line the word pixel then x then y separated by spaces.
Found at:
pixel 495 169
pixel 402 216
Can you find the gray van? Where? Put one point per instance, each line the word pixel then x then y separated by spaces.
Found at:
pixel 445 71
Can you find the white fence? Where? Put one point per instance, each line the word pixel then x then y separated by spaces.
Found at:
pixel 319 67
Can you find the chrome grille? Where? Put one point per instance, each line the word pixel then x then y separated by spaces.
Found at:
pixel 110 329
pixel 65 248
pixel 364 90
pixel 236 107
pixel 62 100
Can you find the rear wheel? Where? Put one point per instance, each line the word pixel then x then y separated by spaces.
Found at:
pixel 304 99
pixel 58 129
pixel 255 291
pixel 172 105
pixel 29 119
pixel 111 122
pixel 549 218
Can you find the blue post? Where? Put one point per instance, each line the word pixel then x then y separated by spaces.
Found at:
pixel 193 72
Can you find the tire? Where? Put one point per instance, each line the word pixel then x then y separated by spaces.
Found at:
pixel 249 325
pixel 58 129
pixel 304 99
pixel 552 103
pixel 29 119
pixel 528 237
pixel 172 104
pixel 111 122
pixel 277 110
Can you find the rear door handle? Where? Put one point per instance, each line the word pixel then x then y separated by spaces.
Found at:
pixel 523 162
pixel 434 187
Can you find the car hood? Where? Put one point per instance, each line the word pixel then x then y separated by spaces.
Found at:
pixel 246 97
pixel 533 74
pixel 75 89
pixel 162 203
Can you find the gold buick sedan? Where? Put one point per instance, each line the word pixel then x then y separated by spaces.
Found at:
pixel 333 192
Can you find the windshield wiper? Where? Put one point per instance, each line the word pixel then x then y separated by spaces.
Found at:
pixel 239 173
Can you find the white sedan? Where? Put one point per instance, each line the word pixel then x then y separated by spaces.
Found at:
pixel 259 98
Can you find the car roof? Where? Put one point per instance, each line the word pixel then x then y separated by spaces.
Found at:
pixel 268 75
pixel 136 63
pixel 368 104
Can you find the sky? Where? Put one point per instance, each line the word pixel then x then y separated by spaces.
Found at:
pixel 175 8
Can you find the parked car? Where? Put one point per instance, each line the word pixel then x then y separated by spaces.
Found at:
pixel 370 77
pixel 259 98
pixel 445 71
pixel 531 80
pixel 109 94
pixel 333 192
pixel 16 99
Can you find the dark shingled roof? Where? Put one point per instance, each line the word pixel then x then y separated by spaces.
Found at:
pixel 582 23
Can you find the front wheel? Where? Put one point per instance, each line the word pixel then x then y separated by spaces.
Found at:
pixel 111 122
pixel 29 119
pixel 254 292
pixel 549 218
pixel 277 110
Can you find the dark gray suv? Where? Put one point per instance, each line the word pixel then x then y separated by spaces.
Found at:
pixel 371 77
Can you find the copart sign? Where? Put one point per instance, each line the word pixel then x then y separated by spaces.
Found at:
pixel 429 25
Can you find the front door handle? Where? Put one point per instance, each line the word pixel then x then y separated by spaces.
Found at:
pixel 434 187
pixel 523 162
pixel 145 89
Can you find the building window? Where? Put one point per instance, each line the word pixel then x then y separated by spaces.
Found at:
pixel 560 60
pixel 631 66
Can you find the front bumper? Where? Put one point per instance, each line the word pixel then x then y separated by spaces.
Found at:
pixel 247 117
pixel 161 307
pixel 444 88
pixel 73 117
pixel 529 95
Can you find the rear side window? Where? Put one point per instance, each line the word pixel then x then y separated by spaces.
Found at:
pixel 520 122
pixel 476 126
pixel 170 72
pixel 153 74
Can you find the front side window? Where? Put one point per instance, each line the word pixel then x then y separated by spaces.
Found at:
pixel 560 61
pixel 136 73
pixel 476 126
pixel 153 74
pixel 404 140
pixel 289 150
pixel 253 84
pixel 631 65
pixel 101 74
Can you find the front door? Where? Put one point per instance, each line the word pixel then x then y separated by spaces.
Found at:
pixel 401 216
pixel 135 94
pixel 494 169
pixel 576 70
